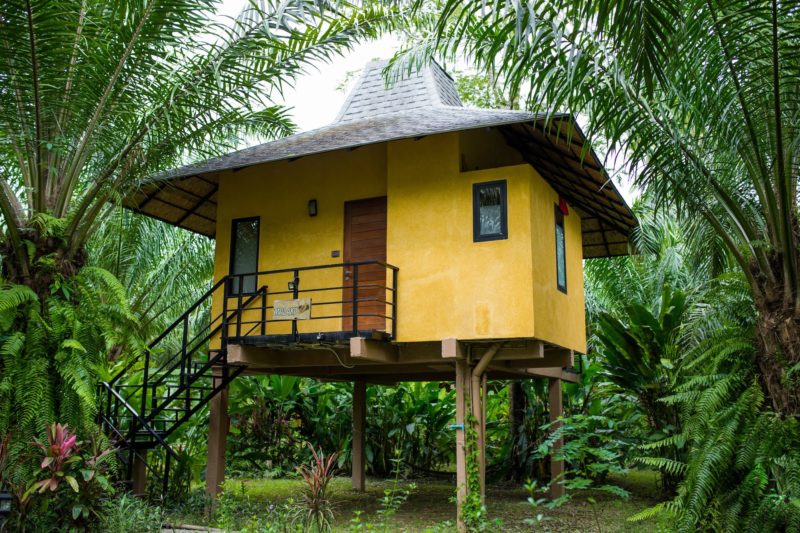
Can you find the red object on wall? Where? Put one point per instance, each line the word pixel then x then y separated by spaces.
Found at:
pixel 562 206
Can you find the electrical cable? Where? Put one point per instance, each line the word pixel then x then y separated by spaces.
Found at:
pixel 334 352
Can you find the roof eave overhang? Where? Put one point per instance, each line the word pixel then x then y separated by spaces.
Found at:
pixel 555 146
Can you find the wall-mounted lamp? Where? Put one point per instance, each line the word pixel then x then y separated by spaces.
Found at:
pixel 312 207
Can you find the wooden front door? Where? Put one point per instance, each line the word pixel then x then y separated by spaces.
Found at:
pixel 365 240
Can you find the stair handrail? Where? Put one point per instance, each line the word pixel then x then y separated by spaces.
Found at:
pixel 175 395
pixel 169 329
pixel 176 359
pixel 141 421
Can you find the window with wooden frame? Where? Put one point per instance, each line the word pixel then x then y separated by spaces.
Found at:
pixel 244 255
pixel 489 211
pixel 561 251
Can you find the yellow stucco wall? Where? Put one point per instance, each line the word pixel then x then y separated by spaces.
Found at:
pixel 560 318
pixel 278 193
pixel 449 286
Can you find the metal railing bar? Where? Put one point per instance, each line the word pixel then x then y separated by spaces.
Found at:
pixel 317 267
pixel 206 339
pixel 145 426
pixel 339 287
pixel 167 331
pixel 338 302
pixel 191 381
pixel 194 306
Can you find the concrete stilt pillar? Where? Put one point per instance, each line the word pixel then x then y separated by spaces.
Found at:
pixel 359 435
pixel 556 465
pixel 139 474
pixel 218 425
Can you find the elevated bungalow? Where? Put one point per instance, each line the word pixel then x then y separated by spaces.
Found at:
pixel 411 239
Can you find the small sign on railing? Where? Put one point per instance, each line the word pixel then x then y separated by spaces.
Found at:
pixel 297 309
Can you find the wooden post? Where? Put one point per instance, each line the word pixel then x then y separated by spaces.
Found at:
pixel 139 487
pixel 218 425
pixel 484 399
pixel 556 466
pixel 478 405
pixel 359 435
pixel 462 393
pixel 517 406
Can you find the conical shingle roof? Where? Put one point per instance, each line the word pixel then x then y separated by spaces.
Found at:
pixel 423 102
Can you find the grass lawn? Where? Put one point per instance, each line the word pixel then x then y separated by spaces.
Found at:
pixel 430 507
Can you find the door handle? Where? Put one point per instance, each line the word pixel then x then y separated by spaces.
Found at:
pixel 347 275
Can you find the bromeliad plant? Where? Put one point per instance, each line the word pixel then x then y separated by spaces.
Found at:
pixel 59 450
pixel 83 469
pixel 316 513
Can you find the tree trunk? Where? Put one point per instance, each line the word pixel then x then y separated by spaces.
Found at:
pixel 48 259
pixel 779 351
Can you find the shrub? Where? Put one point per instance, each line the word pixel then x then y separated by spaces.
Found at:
pixel 238 512
pixel 76 479
pixel 128 514
pixel 593 448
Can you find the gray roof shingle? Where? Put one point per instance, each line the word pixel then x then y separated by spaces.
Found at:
pixel 374 95
pixel 381 127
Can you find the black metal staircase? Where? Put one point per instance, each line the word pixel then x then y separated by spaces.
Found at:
pixel 146 402
pixel 173 378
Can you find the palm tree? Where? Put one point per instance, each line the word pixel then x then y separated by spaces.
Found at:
pixel 164 269
pixel 97 96
pixel 700 97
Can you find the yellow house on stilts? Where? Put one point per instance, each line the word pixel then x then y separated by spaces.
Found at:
pixel 411 239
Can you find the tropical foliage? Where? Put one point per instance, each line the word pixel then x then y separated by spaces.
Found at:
pixel 107 94
pixel 698 98
pixel 96 98
pixel 693 340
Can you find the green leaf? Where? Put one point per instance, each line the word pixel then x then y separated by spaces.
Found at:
pixel 73 344
pixel 72 483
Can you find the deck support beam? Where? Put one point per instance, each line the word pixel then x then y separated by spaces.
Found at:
pixel 218 426
pixel 359 435
pixel 369 350
pixel 556 465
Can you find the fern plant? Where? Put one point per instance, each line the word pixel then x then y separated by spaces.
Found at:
pixel 52 353
pixel 742 470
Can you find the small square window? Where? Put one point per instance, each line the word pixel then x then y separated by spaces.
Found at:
pixel 489 211
pixel 561 252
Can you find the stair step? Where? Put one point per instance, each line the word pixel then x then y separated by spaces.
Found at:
pixel 146 433
pixel 179 397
